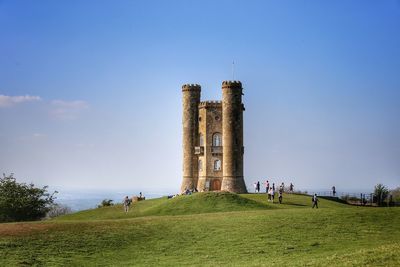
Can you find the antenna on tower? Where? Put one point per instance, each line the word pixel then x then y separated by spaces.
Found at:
pixel 233 70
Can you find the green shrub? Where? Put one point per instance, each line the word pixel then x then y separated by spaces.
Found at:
pixel 380 194
pixel 106 203
pixel 21 201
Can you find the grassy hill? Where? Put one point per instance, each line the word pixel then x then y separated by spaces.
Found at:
pixel 210 229
pixel 198 203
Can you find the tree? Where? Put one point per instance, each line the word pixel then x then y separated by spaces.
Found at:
pixel 380 193
pixel 23 202
pixel 106 203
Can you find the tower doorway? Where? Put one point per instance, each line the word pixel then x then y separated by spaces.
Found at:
pixel 216 185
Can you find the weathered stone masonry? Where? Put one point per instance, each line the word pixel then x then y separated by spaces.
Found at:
pixel 213 140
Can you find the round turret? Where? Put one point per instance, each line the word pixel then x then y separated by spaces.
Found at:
pixel 190 102
pixel 232 130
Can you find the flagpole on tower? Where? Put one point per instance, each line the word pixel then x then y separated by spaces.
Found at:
pixel 233 70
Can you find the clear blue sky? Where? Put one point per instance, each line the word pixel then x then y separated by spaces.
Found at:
pixel 91 90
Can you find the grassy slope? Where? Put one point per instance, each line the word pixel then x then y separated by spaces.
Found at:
pixel 196 204
pixel 263 234
pixel 193 204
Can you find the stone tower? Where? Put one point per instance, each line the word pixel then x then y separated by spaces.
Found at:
pixel 191 100
pixel 232 129
pixel 213 140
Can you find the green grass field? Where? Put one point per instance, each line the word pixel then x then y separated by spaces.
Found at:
pixel 210 229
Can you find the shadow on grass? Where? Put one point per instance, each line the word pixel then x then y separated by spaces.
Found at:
pixel 335 199
pixel 295 204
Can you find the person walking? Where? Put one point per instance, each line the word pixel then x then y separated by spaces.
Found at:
pixel 291 188
pixel 315 201
pixel 127 203
pixel 280 195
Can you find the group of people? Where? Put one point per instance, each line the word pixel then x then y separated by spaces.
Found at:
pixel 257 186
pixel 187 191
pixel 271 192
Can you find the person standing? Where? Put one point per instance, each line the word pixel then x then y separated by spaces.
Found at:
pixel 315 201
pixel 291 188
pixel 272 193
pixel 269 193
pixel 333 190
pixel 258 186
pixel 280 195
pixel 127 203
pixel 266 187
pixel 273 186
pixel 255 187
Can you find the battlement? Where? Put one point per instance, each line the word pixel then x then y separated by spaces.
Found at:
pixel 231 84
pixel 191 87
pixel 210 103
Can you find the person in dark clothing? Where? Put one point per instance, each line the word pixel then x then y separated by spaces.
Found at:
pixel 258 187
pixel 280 195
pixel 315 201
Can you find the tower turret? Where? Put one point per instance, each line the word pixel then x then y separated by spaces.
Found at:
pixel 190 121
pixel 232 137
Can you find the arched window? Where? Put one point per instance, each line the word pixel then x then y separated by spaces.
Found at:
pixel 217 165
pixel 200 165
pixel 217 139
pixel 201 140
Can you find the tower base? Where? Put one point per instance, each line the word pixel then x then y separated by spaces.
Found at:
pixel 234 184
pixel 188 183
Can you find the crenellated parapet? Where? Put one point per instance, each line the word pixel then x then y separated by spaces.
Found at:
pixel 210 104
pixel 191 87
pixel 231 84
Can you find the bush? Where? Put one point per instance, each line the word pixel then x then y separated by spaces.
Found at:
pixel 380 194
pixel 395 194
pixel 58 210
pixel 23 202
pixel 106 203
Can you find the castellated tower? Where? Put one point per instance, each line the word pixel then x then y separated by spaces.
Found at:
pixel 191 100
pixel 232 129
pixel 213 140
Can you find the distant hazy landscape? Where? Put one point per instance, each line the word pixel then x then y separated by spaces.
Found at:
pixel 80 200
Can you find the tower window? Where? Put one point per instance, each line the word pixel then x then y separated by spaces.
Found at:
pixel 201 140
pixel 217 165
pixel 217 139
